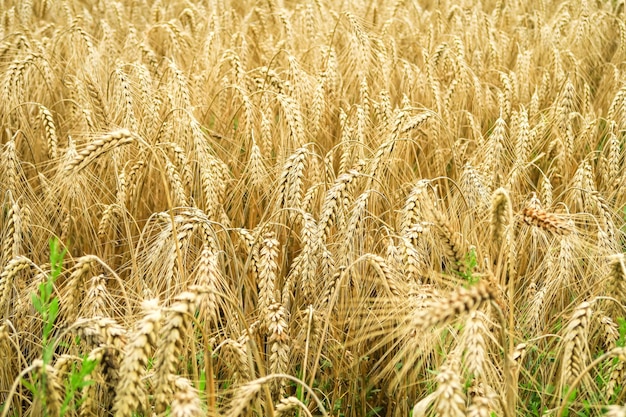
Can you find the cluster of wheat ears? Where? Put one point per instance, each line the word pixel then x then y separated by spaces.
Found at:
pixel 322 207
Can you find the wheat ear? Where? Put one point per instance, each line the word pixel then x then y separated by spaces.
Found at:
pixel 457 302
pixel 130 394
pixel 170 344
pixel 186 402
pixel 97 148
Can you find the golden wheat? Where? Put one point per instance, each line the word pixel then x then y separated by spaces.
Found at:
pixel 386 206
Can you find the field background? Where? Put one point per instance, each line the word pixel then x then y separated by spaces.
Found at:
pixel 280 208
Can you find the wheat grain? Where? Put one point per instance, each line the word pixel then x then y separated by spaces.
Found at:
pixel 460 301
pixel 130 393
pixel 96 297
pixel 476 349
pixel 52 387
pixel 97 148
pixel 288 404
pixel 290 183
pixel 9 272
pixel 186 402
pixel 242 399
pixel 546 221
pixel 170 344
pixel 267 268
pixel 501 214
pixel 75 287
pixel 276 321
pixel 238 355
pixel 449 395
pixel 576 349
pixel 51 134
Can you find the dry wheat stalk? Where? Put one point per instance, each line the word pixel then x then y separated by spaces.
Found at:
pixel 536 308
pixel 413 259
pixel 75 287
pixel 182 164
pixel 180 87
pixel 108 221
pixel 108 339
pixel 293 116
pixel 12 239
pixel 474 187
pixel 213 180
pixel 256 167
pixel 307 261
pixel 133 181
pixel 10 165
pixel 616 379
pixel 451 241
pixel 388 276
pixel 335 204
pixel 98 102
pixel 414 206
pixel 617 277
pixel 176 185
pixel 101 331
pixel 609 331
pixel 386 148
pixel 126 96
pixel 330 288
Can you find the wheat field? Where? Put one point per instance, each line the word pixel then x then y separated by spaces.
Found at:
pixel 312 208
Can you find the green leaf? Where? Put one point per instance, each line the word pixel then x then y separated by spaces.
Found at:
pixel 53 310
pixel 30 387
pixel 621 341
pixel 202 382
pixel 88 366
pixel 37 303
